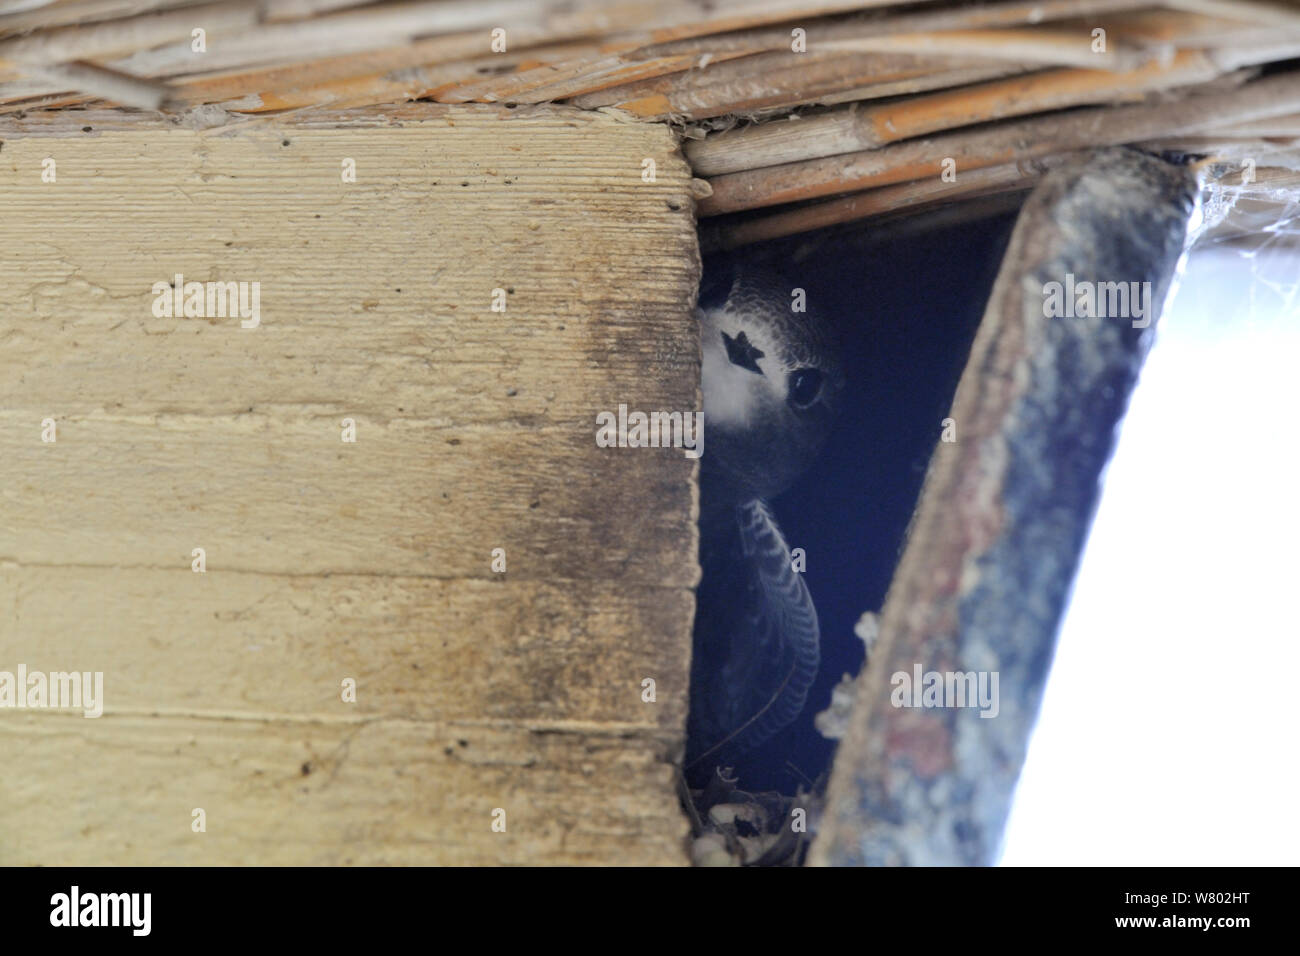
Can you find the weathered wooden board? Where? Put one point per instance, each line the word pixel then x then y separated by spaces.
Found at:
pixel 326 560
pixel 993 548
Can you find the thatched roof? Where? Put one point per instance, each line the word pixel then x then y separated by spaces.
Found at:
pixel 781 102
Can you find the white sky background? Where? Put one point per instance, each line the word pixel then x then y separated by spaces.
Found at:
pixel 1170 729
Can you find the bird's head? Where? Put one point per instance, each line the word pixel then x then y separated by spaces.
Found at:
pixel 771 380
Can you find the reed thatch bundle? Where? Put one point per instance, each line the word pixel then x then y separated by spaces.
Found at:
pixel 886 104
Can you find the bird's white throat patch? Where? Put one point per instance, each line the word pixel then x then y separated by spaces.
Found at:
pixel 734 396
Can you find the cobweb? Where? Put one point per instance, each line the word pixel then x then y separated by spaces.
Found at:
pixel 1249 215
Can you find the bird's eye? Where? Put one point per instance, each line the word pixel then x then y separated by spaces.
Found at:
pixel 804 386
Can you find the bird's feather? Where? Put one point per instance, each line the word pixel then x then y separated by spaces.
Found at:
pixel 757 641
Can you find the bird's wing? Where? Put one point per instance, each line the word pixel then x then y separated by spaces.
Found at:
pixel 757 642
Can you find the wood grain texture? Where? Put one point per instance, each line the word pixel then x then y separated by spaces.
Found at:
pixel 328 560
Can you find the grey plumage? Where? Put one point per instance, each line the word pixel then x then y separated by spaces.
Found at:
pixel 771 382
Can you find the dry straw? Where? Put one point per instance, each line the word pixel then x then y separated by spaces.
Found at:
pixel 781 101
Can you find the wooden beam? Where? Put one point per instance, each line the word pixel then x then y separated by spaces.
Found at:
pixel 327 560
pixel 1003 514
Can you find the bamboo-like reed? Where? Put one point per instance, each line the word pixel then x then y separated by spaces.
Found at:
pixel 857 99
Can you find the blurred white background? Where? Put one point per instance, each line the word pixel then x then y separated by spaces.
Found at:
pixel 1169 730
